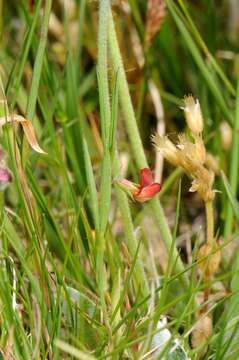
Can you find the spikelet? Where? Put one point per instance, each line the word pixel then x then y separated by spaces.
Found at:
pixel 190 152
pixel 202 331
pixel 226 135
pixel 212 163
pixel 156 12
pixel 211 259
pixel 167 149
pixel 193 114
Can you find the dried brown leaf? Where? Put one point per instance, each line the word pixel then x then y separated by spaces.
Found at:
pixel 27 128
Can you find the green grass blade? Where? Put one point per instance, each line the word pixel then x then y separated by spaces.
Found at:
pixel 234 164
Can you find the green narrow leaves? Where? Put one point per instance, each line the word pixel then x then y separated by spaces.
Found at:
pixel 39 62
pixel 234 164
pixel 203 67
pixel 17 73
pixel 205 49
pixel 93 195
pixel 232 200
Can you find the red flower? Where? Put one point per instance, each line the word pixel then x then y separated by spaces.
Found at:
pixel 144 191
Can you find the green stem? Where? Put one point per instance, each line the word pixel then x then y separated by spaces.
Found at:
pixel 210 243
pixel 234 163
pixel 125 100
pixel 135 140
pixel 105 116
pixel 82 10
pixel 38 65
pixel 123 204
pixel 103 68
pixel 31 105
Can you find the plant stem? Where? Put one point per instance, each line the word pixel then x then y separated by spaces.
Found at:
pixel 135 140
pixel 233 172
pixel 32 100
pixel 210 244
pixel 102 66
pixel 125 99
pixel 123 204
pixel 36 76
pixel 105 116
pixel 210 222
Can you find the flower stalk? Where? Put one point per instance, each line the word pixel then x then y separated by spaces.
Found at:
pixel 190 154
pixel 210 222
pixel 105 109
pixel 136 143
pixel 105 114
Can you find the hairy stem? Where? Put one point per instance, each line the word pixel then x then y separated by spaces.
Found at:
pixel 135 140
pixel 105 112
pixel 124 208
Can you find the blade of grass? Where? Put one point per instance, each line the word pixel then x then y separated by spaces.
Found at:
pixel 209 78
pixel 205 49
pixel 71 350
pixel 105 117
pixel 17 73
pixel 234 164
pixel 32 100
pixel 91 185
pixel 132 242
pixel 231 197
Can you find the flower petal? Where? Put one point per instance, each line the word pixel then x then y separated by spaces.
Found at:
pixel 146 177
pixel 146 193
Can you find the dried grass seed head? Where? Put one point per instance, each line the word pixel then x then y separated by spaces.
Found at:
pixel 167 149
pixel 156 13
pixel 192 154
pixel 226 135
pixel 203 183
pixel 202 331
pixel 212 163
pixel 193 114
pixel 210 258
pixel 200 151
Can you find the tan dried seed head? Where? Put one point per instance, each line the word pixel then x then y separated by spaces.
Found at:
pixel 167 149
pixel 212 163
pixel 156 13
pixel 226 135
pixel 202 331
pixel 212 259
pixel 193 114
